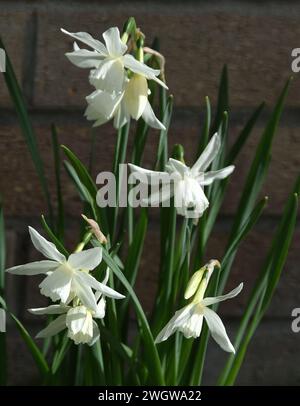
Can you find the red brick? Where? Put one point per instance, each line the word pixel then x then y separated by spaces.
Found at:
pixel 196 45
pixel 13 32
pixel 22 193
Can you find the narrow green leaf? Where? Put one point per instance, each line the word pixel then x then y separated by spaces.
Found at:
pixel 205 130
pixel 162 151
pixel 81 171
pixel 260 164
pixel 270 272
pixel 223 100
pixel 244 135
pixel 53 237
pixel 88 183
pixel 37 355
pixel 57 167
pixel 156 375
pixel 60 353
pixel 120 348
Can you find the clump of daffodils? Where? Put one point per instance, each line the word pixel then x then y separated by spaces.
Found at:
pixel 119 78
pixel 79 298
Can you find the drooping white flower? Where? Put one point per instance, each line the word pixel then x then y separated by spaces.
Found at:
pixel 108 61
pixel 78 319
pixel 66 278
pixel 189 319
pixel 116 96
pixel 132 102
pixel 185 183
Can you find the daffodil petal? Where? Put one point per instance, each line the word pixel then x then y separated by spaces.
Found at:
pixel 161 196
pixel 48 249
pixel 233 293
pixel 96 334
pixel 150 118
pixel 217 330
pixel 208 155
pixel 148 175
pixel 173 165
pixel 210 177
pixel 88 259
pixel 52 309
pixel 113 42
pixel 84 292
pixel 88 40
pixel 140 68
pixel 121 116
pixel 84 58
pixel 109 76
pixel 57 285
pixel 53 328
pixel 179 317
pixel 34 268
pixel 89 280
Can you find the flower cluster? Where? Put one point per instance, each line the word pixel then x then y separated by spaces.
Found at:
pixel 68 281
pixel 120 80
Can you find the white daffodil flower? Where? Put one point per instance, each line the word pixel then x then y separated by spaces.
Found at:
pixel 189 319
pixel 184 183
pixel 108 61
pixel 132 102
pixel 78 319
pixel 66 278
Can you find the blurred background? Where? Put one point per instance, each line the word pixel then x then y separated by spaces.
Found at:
pixel 255 40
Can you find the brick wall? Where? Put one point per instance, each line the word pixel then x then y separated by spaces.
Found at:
pixel 197 38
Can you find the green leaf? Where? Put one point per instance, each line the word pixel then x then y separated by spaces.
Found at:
pixel 156 375
pixel 244 135
pixel 57 167
pixel 134 256
pixel 120 348
pixel 162 151
pixel 88 183
pixel 26 127
pixel 135 250
pixel 81 171
pixel 53 237
pixel 247 226
pixel 264 287
pixel 260 164
pixel 37 355
pixel 223 100
pixel 205 131
pixel 60 353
